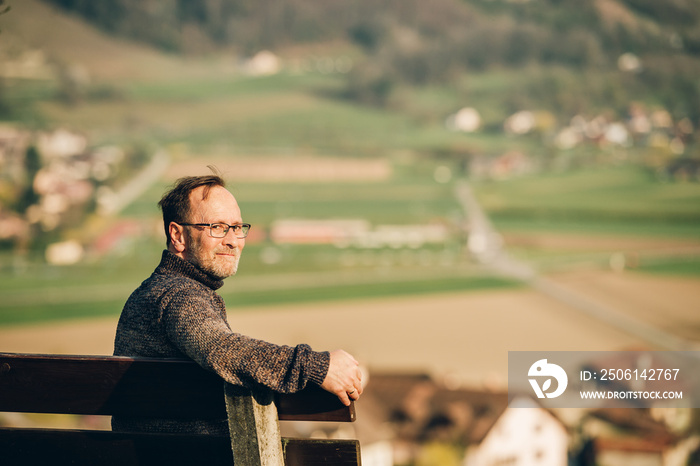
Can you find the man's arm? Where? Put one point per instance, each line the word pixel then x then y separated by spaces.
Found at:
pixel 197 327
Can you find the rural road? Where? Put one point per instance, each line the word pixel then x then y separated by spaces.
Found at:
pixel 486 244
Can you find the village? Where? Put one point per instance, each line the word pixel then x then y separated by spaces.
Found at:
pixel 412 418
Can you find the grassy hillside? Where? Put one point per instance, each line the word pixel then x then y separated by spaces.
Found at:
pixel 413 43
pixel 67 39
pixel 617 194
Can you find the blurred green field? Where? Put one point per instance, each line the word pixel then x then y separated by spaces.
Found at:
pixel 678 267
pixel 287 112
pixel 400 202
pixel 627 199
pixel 61 302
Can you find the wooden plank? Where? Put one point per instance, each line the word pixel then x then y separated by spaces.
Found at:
pixel 313 402
pixel 107 385
pixel 253 427
pixel 304 452
pixel 21 447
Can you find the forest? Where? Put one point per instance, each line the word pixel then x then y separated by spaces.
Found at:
pixel 417 43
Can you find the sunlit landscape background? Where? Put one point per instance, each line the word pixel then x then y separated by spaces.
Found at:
pixel 419 176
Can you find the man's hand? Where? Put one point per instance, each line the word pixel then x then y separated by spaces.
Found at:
pixel 344 378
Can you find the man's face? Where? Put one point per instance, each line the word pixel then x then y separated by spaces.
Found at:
pixel 217 256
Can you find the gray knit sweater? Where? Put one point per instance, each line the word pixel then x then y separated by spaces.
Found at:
pixel 176 313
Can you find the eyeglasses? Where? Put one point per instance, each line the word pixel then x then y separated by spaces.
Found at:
pixel 220 230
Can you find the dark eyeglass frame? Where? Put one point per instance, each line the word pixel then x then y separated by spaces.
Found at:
pixel 244 227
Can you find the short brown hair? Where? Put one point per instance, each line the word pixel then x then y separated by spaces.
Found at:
pixel 175 203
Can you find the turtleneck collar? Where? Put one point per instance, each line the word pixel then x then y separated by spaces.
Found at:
pixel 171 262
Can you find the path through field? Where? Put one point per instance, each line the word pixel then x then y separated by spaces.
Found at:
pixel 486 244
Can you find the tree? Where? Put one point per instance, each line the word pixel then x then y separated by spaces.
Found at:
pixel 32 165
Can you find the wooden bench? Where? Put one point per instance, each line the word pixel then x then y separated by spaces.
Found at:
pixel 159 388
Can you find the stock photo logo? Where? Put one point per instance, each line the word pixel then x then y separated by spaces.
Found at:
pixel 542 370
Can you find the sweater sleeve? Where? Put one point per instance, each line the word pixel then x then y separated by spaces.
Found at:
pixel 195 323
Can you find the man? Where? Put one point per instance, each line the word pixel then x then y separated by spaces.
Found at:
pixel 176 312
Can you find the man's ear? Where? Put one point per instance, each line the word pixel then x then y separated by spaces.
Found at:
pixel 177 237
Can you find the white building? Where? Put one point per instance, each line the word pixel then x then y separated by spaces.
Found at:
pixel 263 63
pixel 525 435
pixel 466 120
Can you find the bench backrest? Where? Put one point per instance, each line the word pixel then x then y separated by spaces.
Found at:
pixel 113 385
pixel 161 388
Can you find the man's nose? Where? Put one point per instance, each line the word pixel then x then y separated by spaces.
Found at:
pixel 231 239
